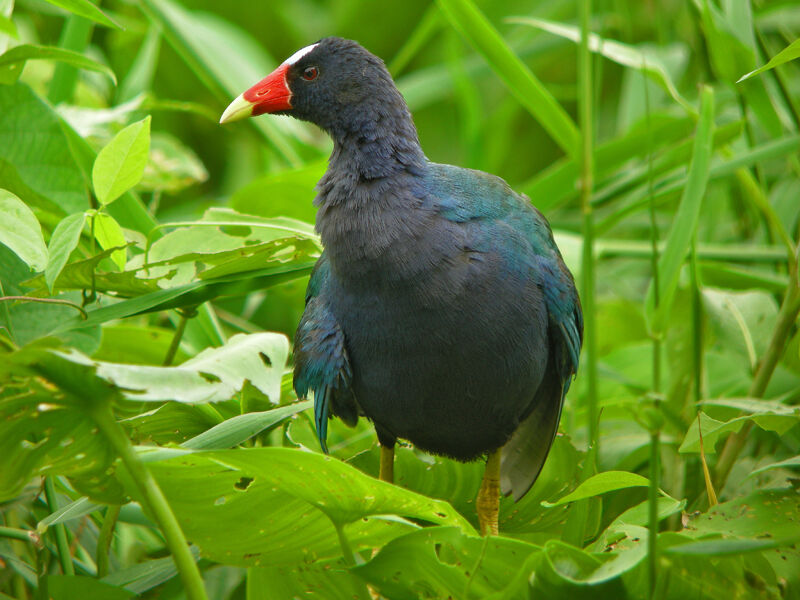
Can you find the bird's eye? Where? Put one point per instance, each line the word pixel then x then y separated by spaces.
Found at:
pixel 310 73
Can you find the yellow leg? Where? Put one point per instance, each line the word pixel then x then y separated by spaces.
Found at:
pixel 488 503
pixel 387 464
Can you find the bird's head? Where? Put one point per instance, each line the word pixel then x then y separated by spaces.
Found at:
pixel 334 83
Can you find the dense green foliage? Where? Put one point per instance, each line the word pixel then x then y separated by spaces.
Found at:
pixel 146 254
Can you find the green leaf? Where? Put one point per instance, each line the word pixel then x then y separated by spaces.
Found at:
pixel 791 52
pixel 602 483
pixel 85 8
pixel 789 462
pixel 109 235
pixel 728 546
pixel 467 19
pixel 685 221
pixel 36 162
pixel 330 580
pixel 74 510
pixel 65 587
pixel 12 61
pixel 770 416
pixel 236 430
pixel 120 165
pixel 279 506
pixel 7 27
pixel 213 375
pixel 443 562
pixel 64 240
pixel 622 54
pixel 21 232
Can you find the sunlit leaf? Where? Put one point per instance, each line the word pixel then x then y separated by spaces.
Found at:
pixel 21 232
pixel 791 52
pixel 120 165
pixel 64 240
pixel 13 60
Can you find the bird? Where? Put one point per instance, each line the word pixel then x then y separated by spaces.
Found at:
pixel 440 307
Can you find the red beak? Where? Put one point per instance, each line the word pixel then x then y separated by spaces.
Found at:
pixel 271 94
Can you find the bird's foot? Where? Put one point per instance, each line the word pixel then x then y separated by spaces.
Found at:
pixel 488 502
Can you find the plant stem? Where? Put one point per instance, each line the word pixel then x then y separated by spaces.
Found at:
pixel 26 535
pixel 46 301
pixel 62 545
pixel 347 551
pixel 104 539
pixel 787 316
pixel 155 501
pixel 176 340
pixel 585 103
pixel 652 506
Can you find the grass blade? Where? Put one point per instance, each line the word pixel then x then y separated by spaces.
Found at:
pixel 791 52
pixel 473 25
pixel 681 234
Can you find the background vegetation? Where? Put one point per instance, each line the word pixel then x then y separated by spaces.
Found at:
pixel 145 251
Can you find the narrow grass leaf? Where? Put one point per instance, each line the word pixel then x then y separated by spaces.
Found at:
pixel 12 61
pixel 473 25
pixel 64 240
pixel 21 232
pixel 793 462
pixel 74 510
pixel 236 430
pixel 109 234
pixel 729 546
pixel 685 222
pixel 85 8
pixel 622 54
pixel 602 483
pixel 791 52
pixel 120 165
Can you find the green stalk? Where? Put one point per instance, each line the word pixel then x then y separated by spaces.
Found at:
pixel 586 184
pixel 104 539
pixel 26 535
pixel 155 502
pixel 427 26
pixel 176 340
pixel 652 508
pixel 62 545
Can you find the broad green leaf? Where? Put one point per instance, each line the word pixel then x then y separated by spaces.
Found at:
pixel 85 8
pixel 213 375
pixel 791 52
pixel 20 231
pixel 120 165
pixel 279 506
pixel 685 222
pixel 109 235
pixel 236 430
pixel 751 516
pixel 473 25
pixel 135 344
pixel 742 320
pixel 565 569
pixel 778 418
pixel 330 580
pixel 623 54
pixel 13 60
pixel 602 483
pixel 458 483
pixel 443 562
pixel 64 240
pixel 65 587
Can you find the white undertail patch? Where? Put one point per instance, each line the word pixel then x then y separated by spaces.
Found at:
pixel 299 54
